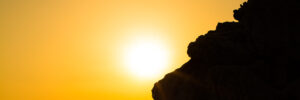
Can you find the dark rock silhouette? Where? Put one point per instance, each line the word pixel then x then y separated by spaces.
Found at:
pixel 256 58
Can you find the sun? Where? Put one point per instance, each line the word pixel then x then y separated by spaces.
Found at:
pixel 147 58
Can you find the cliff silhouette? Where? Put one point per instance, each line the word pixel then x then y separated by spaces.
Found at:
pixel 256 58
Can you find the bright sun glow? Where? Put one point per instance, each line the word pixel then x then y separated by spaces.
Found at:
pixel 147 58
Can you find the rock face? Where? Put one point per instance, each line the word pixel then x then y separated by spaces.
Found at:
pixel 256 58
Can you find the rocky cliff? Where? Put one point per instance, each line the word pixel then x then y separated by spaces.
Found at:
pixel 256 58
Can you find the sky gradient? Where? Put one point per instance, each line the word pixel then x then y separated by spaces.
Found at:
pixel 74 50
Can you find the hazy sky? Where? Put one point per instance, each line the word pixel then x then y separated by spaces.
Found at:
pixel 74 49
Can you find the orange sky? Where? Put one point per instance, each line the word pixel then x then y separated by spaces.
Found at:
pixel 73 49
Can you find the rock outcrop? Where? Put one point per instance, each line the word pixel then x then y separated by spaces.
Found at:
pixel 256 58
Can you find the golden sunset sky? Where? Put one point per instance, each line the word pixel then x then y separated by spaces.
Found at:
pixel 76 49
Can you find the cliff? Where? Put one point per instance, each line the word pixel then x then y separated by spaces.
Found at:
pixel 256 58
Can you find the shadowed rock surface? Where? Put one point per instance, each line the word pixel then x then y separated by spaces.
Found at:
pixel 256 58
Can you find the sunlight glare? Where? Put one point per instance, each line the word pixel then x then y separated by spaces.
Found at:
pixel 147 58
